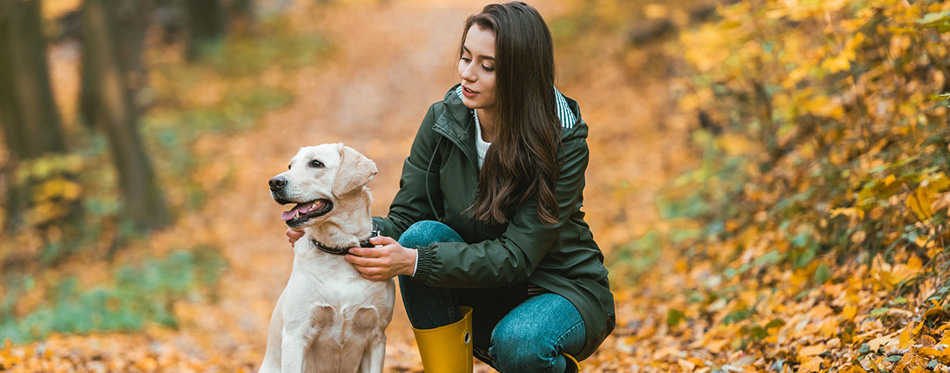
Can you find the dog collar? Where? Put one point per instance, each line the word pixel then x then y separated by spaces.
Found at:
pixel 344 250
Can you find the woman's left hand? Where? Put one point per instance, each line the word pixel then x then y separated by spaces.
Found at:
pixel 382 262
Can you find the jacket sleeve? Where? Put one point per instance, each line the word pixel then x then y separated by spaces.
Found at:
pixel 414 201
pixel 512 257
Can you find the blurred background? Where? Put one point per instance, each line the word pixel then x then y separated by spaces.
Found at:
pixel 768 179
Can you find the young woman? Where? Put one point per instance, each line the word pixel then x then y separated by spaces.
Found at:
pixel 486 232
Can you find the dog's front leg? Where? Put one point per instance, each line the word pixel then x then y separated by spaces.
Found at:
pixel 372 360
pixel 272 358
pixel 299 335
pixel 293 349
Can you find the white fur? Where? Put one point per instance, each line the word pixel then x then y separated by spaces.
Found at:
pixel 329 318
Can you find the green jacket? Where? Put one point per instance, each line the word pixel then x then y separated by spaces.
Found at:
pixel 440 182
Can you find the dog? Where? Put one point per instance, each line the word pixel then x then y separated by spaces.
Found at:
pixel 328 318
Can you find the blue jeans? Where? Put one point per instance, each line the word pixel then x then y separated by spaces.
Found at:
pixel 512 331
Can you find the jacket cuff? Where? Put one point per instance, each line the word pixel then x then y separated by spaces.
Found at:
pixel 425 256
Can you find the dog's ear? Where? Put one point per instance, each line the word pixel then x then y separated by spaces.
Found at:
pixel 355 171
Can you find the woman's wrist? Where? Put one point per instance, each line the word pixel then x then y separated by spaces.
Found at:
pixel 415 262
pixel 408 262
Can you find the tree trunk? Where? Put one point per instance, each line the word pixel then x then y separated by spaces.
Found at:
pixel 207 23
pixel 30 120
pixel 113 73
pixel 28 113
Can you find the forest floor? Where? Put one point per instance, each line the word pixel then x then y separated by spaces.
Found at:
pixel 391 60
pixel 683 305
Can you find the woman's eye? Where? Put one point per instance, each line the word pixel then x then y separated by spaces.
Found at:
pixel 466 59
pixel 488 69
pixel 316 164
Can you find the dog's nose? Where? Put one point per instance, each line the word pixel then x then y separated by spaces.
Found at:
pixel 277 183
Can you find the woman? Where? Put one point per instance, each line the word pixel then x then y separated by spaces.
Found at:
pixel 487 218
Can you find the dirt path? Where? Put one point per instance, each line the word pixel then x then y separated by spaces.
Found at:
pixel 390 63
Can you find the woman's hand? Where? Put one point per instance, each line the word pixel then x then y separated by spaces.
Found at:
pixel 293 235
pixel 383 262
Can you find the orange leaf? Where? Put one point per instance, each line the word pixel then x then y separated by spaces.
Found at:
pixel 812 350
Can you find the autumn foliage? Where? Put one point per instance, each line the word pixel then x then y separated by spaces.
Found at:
pixel 812 235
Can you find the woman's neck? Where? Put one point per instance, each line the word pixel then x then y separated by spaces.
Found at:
pixel 486 119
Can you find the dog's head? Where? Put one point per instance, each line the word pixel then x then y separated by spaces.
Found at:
pixel 318 176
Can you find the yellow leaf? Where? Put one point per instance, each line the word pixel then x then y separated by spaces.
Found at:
pixel 822 105
pixel 919 204
pixel 914 263
pixel 7 346
pixel 905 341
pixel 55 9
pixel 889 179
pixel 734 145
pixel 829 328
pixel 936 182
pixel 930 352
pixel 655 11
pixel 855 369
pixel 810 364
pixel 849 312
pixel 926 198
pixel 850 212
pixel 836 64
pixel 909 360
pixel 917 329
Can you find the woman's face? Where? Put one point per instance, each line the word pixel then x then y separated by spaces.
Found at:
pixel 477 69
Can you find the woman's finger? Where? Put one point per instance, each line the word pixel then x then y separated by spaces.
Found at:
pixel 359 261
pixel 382 240
pixel 293 235
pixel 366 252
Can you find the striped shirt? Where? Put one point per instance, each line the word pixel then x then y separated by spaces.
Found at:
pixel 564 113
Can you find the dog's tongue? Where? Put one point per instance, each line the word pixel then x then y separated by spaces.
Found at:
pixel 303 208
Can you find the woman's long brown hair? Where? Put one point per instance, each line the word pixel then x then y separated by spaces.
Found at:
pixel 522 163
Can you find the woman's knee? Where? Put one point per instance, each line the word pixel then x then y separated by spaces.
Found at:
pixel 425 232
pixel 517 351
pixel 532 336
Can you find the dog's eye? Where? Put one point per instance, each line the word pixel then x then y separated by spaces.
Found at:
pixel 316 164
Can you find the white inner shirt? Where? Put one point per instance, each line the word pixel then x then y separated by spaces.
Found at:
pixel 564 113
pixel 480 145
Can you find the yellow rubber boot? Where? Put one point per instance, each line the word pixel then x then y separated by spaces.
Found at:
pixel 572 365
pixel 447 349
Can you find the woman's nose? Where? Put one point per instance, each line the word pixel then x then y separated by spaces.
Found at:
pixel 468 74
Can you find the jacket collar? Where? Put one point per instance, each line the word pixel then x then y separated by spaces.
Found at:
pixel 455 121
pixel 456 124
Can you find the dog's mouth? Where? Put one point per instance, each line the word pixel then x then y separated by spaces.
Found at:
pixel 307 210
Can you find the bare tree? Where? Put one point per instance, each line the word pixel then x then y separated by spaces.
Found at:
pixel 112 75
pixel 28 113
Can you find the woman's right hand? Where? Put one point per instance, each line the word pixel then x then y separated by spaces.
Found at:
pixel 293 235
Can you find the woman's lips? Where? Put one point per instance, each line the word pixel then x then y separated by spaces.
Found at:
pixel 468 92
